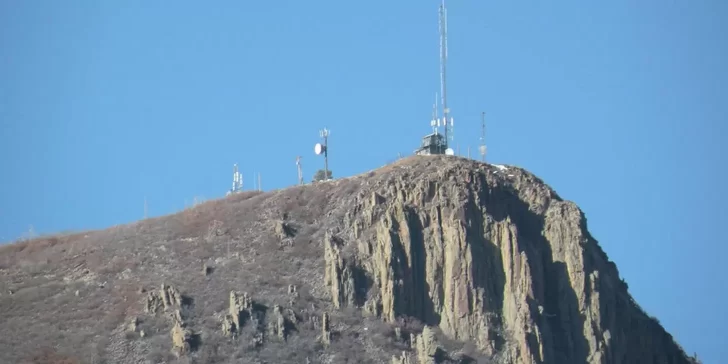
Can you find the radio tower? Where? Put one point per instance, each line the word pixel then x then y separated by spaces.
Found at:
pixel 300 172
pixel 237 179
pixel 447 120
pixel 435 122
pixel 482 137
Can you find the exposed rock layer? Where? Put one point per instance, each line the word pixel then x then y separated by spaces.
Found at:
pixel 486 255
pixel 493 256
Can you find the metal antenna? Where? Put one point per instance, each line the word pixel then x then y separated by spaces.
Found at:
pixel 443 71
pixel 235 177
pixel 300 172
pixel 259 185
pixel 325 134
pixel 237 180
pixel 145 207
pixel 482 138
pixel 435 122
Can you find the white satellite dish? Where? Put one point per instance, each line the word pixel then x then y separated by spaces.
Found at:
pixel 449 151
pixel 318 148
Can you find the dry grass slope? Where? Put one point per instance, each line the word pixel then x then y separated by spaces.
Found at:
pixel 75 295
pixel 159 290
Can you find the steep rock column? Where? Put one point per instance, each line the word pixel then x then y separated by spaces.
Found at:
pixel 338 274
pixel 562 229
pixel 518 324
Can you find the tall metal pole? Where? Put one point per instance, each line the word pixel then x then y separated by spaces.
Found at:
pixel 482 137
pixel 326 155
pixel 300 171
pixel 325 134
pixel 443 69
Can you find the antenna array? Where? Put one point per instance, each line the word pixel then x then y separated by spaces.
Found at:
pixel 482 138
pixel 300 172
pixel 435 122
pixel 324 149
pixel 447 121
pixel 237 180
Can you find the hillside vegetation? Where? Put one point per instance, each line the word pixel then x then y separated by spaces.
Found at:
pixel 431 259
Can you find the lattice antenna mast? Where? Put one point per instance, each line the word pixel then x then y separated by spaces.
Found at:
pixel 237 179
pixel 435 122
pixel 300 171
pixel 482 137
pixel 325 134
pixel 446 119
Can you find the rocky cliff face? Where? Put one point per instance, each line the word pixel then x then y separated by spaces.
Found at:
pixel 490 255
pixel 486 258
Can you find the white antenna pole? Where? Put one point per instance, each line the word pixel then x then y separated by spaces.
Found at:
pixel 482 138
pixel 235 176
pixel 259 185
pixel 300 171
pixel 443 68
pixel 145 207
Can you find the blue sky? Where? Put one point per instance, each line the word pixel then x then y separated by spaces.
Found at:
pixel 620 106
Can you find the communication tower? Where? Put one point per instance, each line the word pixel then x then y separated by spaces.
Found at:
pixel 482 148
pixel 447 120
pixel 237 180
pixel 300 171
pixel 436 143
pixel 324 149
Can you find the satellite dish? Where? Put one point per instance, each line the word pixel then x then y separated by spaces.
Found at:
pixel 449 151
pixel 318 148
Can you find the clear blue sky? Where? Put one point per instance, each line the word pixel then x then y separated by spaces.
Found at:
pixel 621 106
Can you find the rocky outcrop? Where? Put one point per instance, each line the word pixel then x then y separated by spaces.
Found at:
pixel 490 255
pixel 278 325
pixel 405 358
pixel 166 298
pixel 169 300
pixel 326 329
pixel 181 339
pixel 133 324
pixel 486 255
pixel 241 307
pixel 427 348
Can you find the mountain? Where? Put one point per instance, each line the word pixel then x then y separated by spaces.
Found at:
pixel 432 259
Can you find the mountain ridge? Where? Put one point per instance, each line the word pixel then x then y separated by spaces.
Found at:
pixel 448 258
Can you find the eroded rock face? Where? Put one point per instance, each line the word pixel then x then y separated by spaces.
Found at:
pixel 181 339
pixel 241 307
pixel 166 298
pixel 491 256
pixel 487 255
